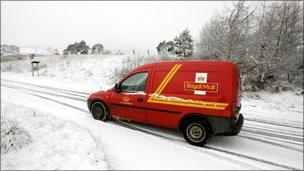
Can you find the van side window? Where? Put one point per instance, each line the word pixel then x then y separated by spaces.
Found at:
pixel 135 83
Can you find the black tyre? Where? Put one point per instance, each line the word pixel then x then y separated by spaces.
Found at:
pixel 99 111
pixel 197 132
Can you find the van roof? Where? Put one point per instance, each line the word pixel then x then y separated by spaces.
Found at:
pixel 210 63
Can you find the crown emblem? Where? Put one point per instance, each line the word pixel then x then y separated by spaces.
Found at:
pixel 126 99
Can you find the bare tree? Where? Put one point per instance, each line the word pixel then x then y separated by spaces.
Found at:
pixel 267 42
pixel 278 48
pixel 226 35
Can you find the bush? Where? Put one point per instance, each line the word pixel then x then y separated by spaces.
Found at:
pixel 13 137
pixel 119 72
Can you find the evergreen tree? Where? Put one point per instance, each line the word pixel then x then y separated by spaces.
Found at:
pixel 161 48
pixel 171 47
pixel 166 48
pixel 184 44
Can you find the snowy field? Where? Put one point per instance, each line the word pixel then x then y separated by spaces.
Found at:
pixel 51 111
pixel 54 142
pixel 86 70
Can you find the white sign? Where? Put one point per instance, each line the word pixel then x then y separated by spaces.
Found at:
pixel 200 78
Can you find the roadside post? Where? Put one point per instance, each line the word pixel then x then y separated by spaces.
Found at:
pixel 36 67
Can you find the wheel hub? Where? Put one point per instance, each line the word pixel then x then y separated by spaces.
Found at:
pixel 195 132
pixel 98 111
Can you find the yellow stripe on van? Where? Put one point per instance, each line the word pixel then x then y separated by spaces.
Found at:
pixel 157 98
pixel 166 78
pixel 169 78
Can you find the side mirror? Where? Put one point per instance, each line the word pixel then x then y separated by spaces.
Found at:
pixel 117 87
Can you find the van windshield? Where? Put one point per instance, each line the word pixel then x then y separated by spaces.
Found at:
pixel 135 83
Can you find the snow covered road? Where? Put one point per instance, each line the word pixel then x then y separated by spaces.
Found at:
pixel 267 141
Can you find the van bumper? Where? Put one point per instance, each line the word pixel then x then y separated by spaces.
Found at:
pixel 226 126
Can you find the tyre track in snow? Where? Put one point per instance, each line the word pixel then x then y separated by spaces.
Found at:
pixel 271 143
pixel 50 88
pixel 208 147
pixel 276 130
pixel 57 95
pixel 253 131
pixel 245 129
pixel 116 122
pixel 86 94
pixel 274 123
pixel 259 132
pixel 266 119
pixel 256 131
pixel 274 139
pixel 174 140
pixel 44 92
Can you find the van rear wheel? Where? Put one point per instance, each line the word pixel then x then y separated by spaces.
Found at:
pixel 197 132
pixel 99 111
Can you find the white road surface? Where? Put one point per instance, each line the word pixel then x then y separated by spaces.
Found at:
pixel 269 139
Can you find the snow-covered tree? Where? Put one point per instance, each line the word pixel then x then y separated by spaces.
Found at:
pixel 267 42
pixel 77 48
pixel 184 44
pixel 227 35
pixel 161 47
pixel 9 49
pixel 166 48
pixel 278 45
pixel 97 49
pixel 82 48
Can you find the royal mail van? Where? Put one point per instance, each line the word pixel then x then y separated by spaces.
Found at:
pixel 199 98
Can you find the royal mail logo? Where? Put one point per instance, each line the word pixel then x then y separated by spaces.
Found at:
pixel 200 79
pixel 208 87
pixel 126 99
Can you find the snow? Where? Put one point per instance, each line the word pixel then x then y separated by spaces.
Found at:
pixel 281 107
pixel 55 143
pixel 125 148
pixel 87 70
pixel 64 135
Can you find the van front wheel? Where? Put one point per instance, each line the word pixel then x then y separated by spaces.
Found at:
pixel 99 111
pixel 197 133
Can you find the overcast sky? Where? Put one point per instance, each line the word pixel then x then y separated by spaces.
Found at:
pixel 117 25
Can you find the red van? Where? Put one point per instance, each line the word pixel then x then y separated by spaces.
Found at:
pixel 199 98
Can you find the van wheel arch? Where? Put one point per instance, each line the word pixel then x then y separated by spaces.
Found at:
pixel 192 117
pixel 98 100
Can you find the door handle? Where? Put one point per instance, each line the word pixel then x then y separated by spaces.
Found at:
pixel 140 99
